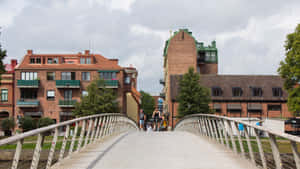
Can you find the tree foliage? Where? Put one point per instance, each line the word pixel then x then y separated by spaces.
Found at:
pixel 2 56
pixel 193 98
pixel 99 100
pixel 147 103
pixel 8 124
pixel 45 121
pixel 290 70
pixel 27 123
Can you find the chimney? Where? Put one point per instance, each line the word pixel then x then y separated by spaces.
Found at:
pixel 29 52
pixel 13 63
pixel 87 52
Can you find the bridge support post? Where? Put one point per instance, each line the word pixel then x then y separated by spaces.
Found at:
pixel 94 127
pixel 88 132
pixel 63 147
pixel 218 123
pixel 207 127
pixel 213 122
pixel 17 154
pixel 200 129
pixel 73 139
pixel 81 136
pixel 235 126
pixel 225 133
pixel 296 154
pixel 231 136
pixel 37 151
pixel 52 149
pixel 102 127
pixel 249 145
pixel 260 149
pixel 98 129
pixel 275 151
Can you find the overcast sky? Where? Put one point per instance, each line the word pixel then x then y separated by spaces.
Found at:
pixel 250 35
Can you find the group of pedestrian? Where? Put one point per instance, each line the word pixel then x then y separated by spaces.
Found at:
pixel 156 123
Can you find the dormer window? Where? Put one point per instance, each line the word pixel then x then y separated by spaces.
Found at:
pixel 32 60
pixel 237 92
pixel 257 91
pixel 277 92
pixel 55 60
pixel 216 91
pixel 82 60
pixel 88 60
pixel 38 61
pixel 49 61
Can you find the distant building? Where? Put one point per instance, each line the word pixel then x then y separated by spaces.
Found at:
pixel 7 91
pixel 48 85
pixel 232 95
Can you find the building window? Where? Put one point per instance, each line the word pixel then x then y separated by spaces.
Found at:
pixel 28 93
pixel 216 91
pixel 274 107
pixel 277 92
pixel 50 75
pixel 85 93
pixel 108 75
pixel 68 75
pixel 82 61
pixel 127 80
pixel 207 56
pixel 50 95
pixel 49 60
pixel 88 60
pixel 28 75
pixel 85 76
pixel 68 95
pixel 4 95
pixel 257 92
pixel 32 60
pixel 237 92
pixel 38 60
pixel 55 60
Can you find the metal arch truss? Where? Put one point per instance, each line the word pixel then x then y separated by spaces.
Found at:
pixel 93 128
pixel 225 130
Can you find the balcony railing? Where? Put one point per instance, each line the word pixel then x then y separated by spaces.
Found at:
pixel 68 83
pixel 111 83
pixel 67 103
pixel 28 83
pixel 28 103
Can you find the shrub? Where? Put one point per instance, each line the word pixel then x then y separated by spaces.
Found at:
pixel 45 121
pixel 7 124
pixel 27 123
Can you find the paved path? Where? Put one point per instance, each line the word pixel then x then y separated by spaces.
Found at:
pixel 156 150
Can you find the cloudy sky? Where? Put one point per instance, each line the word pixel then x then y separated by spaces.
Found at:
pixel 250 35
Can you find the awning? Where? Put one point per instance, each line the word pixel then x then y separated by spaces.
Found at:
pixel 33 113
pixel 66 113
pixel 217 106
pixel 234 107
pixel 254 106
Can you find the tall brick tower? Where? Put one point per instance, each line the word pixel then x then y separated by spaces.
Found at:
pixel 182 51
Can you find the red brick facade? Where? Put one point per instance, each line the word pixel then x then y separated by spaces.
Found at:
pixel 181 53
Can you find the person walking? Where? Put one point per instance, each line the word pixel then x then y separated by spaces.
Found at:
pixel 142 119
pixel 156 115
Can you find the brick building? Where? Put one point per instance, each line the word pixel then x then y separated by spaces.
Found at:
pixel 7 91
pixel 48 85
pixel 232 95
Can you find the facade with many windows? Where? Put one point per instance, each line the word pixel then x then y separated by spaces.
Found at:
pixel 49 85
pixel 232 95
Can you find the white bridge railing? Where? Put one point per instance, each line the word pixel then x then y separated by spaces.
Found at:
pixel 93 128
pixel 267 149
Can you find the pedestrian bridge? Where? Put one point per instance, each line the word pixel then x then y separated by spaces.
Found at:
pixel 113 141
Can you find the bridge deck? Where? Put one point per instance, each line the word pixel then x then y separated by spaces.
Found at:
pixel 156 150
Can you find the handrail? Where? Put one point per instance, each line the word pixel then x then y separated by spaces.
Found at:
pixel 94 127
pixel 225 130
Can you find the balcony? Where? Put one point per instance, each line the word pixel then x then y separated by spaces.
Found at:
pixel 30 103
pixel 67 83
pixel 28 83
pixel 111 83
pixel 67 103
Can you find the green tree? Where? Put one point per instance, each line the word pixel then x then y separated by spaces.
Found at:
pixel 99 100
pixel 2 56
pixel 7 125
pixel 45 121
pixel 147 103
pixel 27 123
pixel 290 70
pixel 193 98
